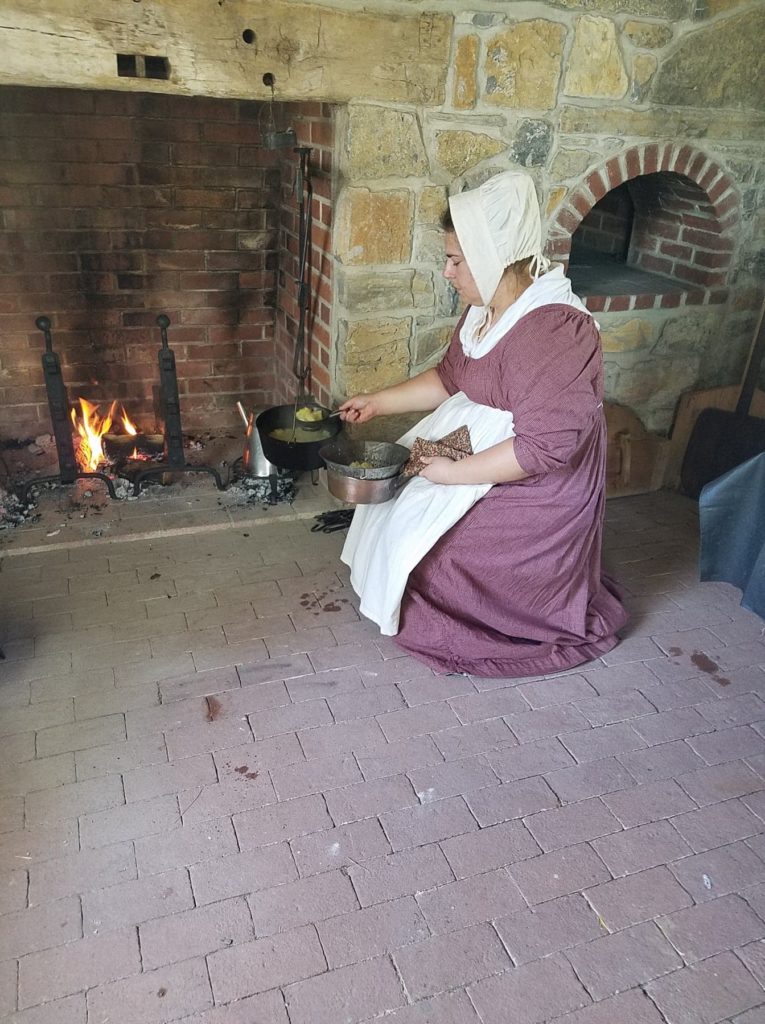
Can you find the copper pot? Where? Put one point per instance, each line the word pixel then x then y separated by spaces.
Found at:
pixel 364 492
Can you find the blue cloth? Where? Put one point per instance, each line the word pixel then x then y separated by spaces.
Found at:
pixel 732 513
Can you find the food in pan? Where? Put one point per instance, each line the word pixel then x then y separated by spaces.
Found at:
pixel 298 436
pixel 309 414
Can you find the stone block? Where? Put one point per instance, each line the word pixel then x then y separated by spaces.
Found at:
pixel 464 86
pixel 382 142
pixel 374 227
pixel 714 927
pixel 431 204
pixel 637 333
pixel 287 820
pixel 373 291
pixel 497 846
pixel 639 848
pixel 595 66
pixel 458 151
pixel 81 872
pixel 428 343
pixel 647 34
pixel 375 353
pixel 523 65
pixel 644 67
pixel 38 928
pixel 432 823
pixel 532 143
pixel 365 799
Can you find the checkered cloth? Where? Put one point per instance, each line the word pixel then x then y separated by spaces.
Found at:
pixel 453 446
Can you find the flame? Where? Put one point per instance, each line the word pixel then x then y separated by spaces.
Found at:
pixel 91 427
pixel 130 427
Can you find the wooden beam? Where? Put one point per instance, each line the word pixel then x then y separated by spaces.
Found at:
pixel 313 51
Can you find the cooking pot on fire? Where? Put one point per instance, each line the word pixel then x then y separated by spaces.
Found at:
pixel 288 444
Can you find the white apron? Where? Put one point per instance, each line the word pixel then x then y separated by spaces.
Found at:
pixel 385 542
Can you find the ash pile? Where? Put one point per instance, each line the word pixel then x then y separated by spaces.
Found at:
pixel 14 511
pixel 259 490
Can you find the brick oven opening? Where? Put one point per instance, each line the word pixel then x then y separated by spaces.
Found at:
pixel 654 227
pixel 118 207
pixel 656 233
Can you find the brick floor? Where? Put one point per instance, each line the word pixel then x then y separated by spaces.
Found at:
pixel 224 798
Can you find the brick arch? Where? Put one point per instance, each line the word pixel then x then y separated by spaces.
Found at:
pixel 721 212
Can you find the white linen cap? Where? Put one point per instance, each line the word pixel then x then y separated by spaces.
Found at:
pixel 497 224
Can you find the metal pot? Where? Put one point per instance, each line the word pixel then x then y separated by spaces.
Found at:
pixel 385 460
pixel 364 492
pixel 297 455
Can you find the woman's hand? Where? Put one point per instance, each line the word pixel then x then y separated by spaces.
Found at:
pixel 439 470
pixel 359 409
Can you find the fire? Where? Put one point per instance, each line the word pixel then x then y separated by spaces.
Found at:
pixel 91 428
pixel 130 427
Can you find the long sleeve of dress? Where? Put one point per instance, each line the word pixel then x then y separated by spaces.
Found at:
pixel 558 391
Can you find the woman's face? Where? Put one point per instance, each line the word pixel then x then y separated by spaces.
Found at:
pixel 457 272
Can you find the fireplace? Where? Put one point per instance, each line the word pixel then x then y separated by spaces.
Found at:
pixel 119 207
pixel 88 443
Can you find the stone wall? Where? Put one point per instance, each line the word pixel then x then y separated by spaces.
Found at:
pixel 432 97
pixel 575 93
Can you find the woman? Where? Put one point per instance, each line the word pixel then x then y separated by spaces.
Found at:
pixel 491 565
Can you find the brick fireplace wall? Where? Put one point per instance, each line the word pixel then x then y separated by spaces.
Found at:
pixel 118 207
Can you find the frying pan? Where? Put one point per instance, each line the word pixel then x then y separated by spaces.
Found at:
pixel 386 459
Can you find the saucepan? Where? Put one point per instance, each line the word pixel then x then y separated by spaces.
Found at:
pixel 364 472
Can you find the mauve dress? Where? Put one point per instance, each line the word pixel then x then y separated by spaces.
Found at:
pixel 515 587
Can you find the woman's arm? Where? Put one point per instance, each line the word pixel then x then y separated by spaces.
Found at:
pixel 495 465
pixel 422 393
